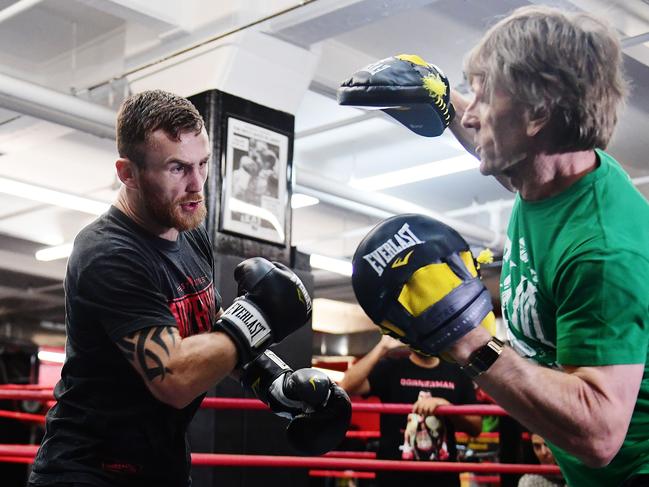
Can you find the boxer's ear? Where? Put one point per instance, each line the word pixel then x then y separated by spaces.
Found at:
pixel 127 172
pixel 536 120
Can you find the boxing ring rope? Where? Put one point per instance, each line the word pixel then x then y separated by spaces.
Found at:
pixel 255 404
pixel 26 394
pixel 275 461
pixel 348 464
pixel 363 434
pixel 342 474
pixel 27 417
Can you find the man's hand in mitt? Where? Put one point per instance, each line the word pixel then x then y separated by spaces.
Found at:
pixel 414 92
pixel 415 277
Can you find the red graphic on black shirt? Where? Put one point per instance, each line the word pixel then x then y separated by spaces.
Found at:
pixel 121 467
pixel 427 384
pixel 194 312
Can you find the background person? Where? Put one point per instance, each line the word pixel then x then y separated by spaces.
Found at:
pixel 425 382
pixel 545 457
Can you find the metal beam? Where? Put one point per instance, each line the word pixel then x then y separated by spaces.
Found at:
pixel 17 8
pixel 47 104
pixel 156 15
pixel 29 265
pixel 634 40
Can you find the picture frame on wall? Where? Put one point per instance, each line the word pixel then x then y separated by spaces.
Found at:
pixel 255 182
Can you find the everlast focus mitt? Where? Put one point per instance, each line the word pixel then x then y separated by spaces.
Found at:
pixel 415 277
pixel 407 88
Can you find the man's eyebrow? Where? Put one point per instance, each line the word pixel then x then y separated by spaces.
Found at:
pixel 185 163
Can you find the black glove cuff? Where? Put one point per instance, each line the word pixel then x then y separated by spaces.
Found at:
pixel 259 374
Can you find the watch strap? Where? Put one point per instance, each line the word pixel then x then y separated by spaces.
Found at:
pixel 483 358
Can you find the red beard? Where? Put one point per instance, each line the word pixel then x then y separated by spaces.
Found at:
pixel 171 214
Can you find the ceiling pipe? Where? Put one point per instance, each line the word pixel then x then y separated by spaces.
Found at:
pixel 44 103
pixel 17 8
pixel 343 203
pixel 47 104
pixel 395 206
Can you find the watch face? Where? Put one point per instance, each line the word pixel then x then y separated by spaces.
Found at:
pixel 483 358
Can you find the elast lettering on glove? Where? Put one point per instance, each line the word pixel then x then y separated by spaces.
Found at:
pixel 273 303
pixel 249 320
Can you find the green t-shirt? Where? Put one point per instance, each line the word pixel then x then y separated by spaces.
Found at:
pixel 575 291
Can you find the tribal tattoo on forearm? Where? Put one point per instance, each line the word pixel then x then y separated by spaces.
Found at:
pixel 138 350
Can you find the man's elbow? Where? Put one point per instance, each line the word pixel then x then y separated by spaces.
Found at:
pixel 472 426
pixel 174 395
pixel 599 452
pixel 347 386
pixel 477 429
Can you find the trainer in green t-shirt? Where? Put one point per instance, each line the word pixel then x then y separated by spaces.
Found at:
pixel 575 280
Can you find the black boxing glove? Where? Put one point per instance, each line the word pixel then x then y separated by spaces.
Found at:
pixel 319 410
pixel 273 303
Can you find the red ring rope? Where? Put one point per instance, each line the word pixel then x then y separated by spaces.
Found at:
pixel 229 460
pixel 342 474
pixel 351 454
pixel 10 393
pixel 248 404
pixel 34 418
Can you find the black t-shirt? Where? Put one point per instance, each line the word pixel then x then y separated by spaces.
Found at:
pixel 398 380
pixel 107 428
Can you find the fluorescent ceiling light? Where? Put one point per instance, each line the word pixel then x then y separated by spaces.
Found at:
pixel 339 266
pixel 299 200
pixel 640 181
pixel 413 174
pixel 52 196
pixel 54 253
pixel 49 356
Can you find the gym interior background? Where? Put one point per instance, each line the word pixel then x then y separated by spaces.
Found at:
pixel 66 65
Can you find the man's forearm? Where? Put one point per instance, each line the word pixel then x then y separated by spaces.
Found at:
pixel 196 363
pixel 585 412
pixel 360 371
pixel 462 134
pixel 469 424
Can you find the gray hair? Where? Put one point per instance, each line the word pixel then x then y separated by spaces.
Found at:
pixel 566 66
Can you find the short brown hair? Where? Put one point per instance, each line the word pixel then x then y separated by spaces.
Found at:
pixel 563 65
pixel 143 113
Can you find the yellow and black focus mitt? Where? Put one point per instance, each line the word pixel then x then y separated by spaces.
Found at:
pixel 416 278
pixel 407 88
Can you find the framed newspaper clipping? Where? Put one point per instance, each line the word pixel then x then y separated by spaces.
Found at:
pixel 255 182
